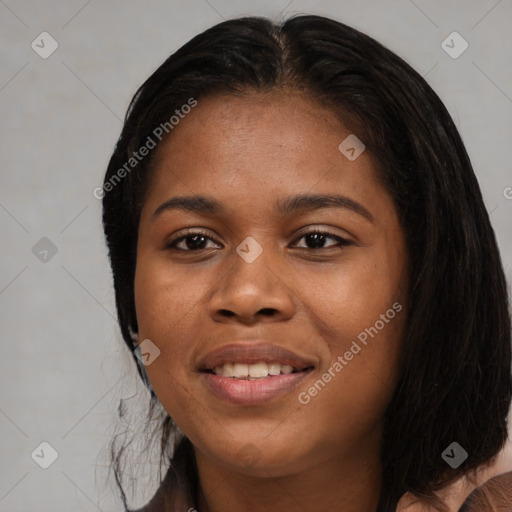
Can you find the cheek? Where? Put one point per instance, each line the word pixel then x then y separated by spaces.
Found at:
pixel 362 315
pixel 171 311
pixel 356 382
pixel 163 305
pixel 346 301
pixel 163 299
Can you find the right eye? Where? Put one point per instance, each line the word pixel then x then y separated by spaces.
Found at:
pixel 192 241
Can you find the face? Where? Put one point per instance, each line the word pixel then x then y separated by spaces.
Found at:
pixel 246 285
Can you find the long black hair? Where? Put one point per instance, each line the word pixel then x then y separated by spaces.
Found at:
pixel 455 380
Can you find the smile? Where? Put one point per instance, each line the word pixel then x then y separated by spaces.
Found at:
pixel 252 373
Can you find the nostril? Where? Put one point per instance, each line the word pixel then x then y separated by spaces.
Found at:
pixel 263 311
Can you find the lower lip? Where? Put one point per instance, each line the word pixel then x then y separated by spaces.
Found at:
pixel 252 392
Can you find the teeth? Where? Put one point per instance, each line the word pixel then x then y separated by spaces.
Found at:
pixel 240 370
pixel 274 369
pixel 228 370
pixel 252 371
pixel 258 370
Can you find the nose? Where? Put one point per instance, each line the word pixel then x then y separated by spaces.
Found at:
pixel 252 292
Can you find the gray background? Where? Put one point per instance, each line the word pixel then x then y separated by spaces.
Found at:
pixel 64 367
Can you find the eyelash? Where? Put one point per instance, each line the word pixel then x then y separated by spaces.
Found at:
pixel 193 232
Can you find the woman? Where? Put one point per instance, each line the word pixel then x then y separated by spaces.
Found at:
pixel 306 274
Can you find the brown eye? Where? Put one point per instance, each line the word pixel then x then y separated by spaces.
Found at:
pixel 316 240
pixel 192 241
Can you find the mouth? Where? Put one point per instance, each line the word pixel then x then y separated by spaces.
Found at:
pixel 251 374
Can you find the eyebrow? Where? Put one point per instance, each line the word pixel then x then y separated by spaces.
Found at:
pixel 294 204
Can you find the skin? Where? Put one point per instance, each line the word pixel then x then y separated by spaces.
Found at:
pixel 247 152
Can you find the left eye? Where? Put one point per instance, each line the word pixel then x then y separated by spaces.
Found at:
pixel 318 238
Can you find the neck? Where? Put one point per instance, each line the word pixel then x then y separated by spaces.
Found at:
pixel 351 484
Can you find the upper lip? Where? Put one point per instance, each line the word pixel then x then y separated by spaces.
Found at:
pixel 248 352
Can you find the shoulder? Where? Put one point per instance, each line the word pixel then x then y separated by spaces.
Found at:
pixel 465 496
pixel 452 497
pixel 497 472
pixel 495 494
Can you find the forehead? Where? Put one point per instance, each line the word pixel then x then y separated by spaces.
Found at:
pixel 258 146
pixel 278 122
